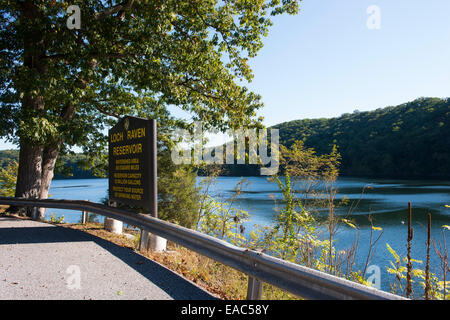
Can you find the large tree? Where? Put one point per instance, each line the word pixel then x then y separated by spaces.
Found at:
pixel 61 87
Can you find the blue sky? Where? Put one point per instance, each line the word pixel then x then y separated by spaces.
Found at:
pixel 325 61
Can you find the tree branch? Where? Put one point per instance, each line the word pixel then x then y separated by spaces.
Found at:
pixel 105 112
pixel 203 93
pixel 112 10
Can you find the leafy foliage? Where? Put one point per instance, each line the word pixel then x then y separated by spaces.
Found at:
pixel 129 58
pixel 8 177
pixel 62 87
pixel 179 196
pixel 56 220
pixel 437 288
pixel 223 221
pixel 307 188
pixel 7 156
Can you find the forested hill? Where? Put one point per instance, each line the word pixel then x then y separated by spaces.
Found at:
pixel 67 167
pixel 410 140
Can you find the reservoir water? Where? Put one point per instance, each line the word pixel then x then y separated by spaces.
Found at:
pixel 386 200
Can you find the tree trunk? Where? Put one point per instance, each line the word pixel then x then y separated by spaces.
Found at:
pixel 29 176
pixel 36 161
pixel 35 174
pixel 50 154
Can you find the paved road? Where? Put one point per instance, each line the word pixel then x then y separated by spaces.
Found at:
pixel 42 261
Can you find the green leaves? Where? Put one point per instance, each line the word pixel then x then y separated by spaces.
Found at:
pixel 179 196
pixel 400 272
pixel 349 223
pixel 39 130
pixel 393 253
pixel 134 58
pixel 223 221
pixel 8 177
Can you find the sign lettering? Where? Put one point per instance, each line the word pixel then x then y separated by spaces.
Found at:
pixel 131 167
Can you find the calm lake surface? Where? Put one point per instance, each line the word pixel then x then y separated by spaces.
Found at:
pixel 387 200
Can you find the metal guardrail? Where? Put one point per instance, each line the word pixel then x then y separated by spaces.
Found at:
pixel 299 280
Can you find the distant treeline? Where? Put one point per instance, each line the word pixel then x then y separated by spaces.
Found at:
pixel 67 167
pixel 7 156
pixel 411 140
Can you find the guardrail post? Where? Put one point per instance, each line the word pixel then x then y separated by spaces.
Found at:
pixel 112 225
pixel 152 242
pixel 254 289
pixel 84 217
pixel 35 213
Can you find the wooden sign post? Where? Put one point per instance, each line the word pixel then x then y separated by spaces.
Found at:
pixel 133 169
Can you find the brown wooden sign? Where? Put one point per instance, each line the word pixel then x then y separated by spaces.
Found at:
pixel 132 163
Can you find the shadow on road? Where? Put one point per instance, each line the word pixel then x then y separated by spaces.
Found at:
pixel 174 285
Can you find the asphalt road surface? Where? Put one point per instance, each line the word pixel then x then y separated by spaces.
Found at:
pixel 42 261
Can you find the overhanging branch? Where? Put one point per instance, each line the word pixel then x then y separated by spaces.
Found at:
pixel 105 112
pixel 112 10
